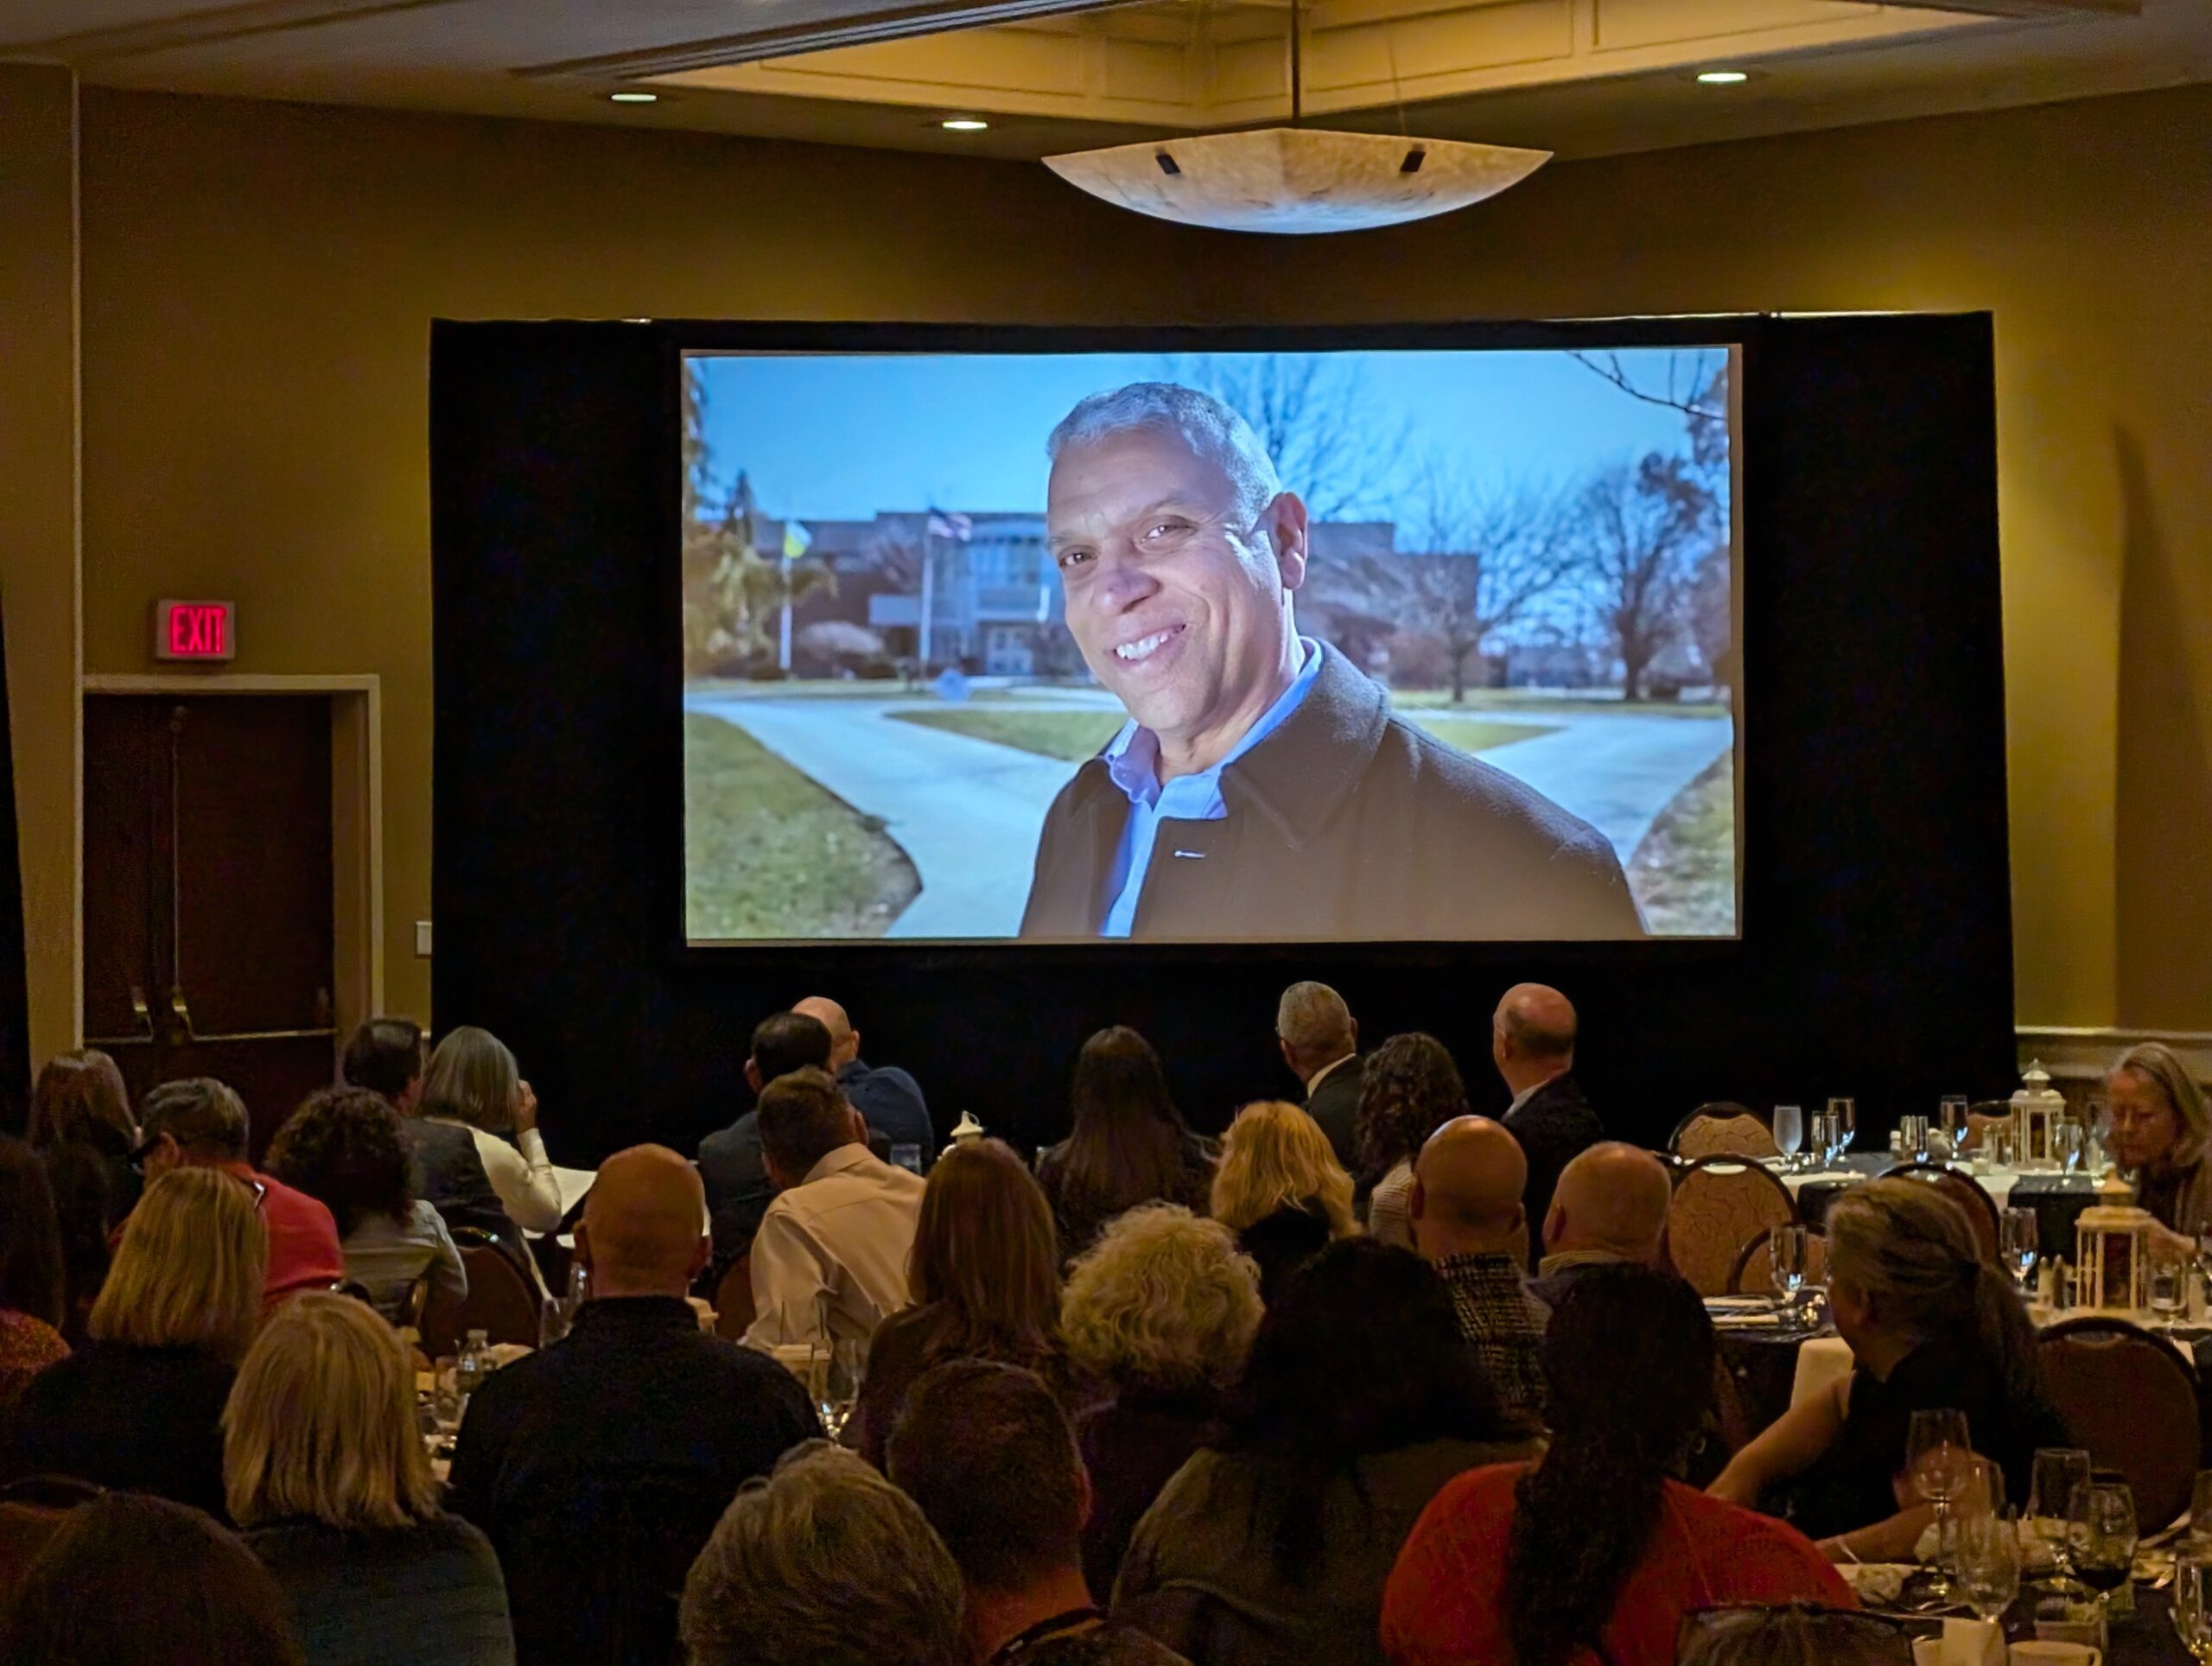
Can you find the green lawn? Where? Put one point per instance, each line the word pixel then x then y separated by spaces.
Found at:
pixel 1684 871
pixel 768 853
pixel 1477 733
pixel 1072 736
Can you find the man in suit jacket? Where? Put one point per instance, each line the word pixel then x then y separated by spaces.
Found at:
pixel 1262 786
pixel 730 1164
pixel 1321 1043
pixel 888 1099
pixel 1532 1043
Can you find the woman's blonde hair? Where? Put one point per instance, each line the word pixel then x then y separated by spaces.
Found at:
pixel 2160 1065
pixel 1163 1298
pixel 471 1078
pixel 321 1422
pixel 190 1267
pixel 1275 1155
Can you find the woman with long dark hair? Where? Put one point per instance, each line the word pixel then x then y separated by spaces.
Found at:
pixel 1358 1401
pixel 1410 1089
pixel 985 1276
pixel 1129 1144
pixel 1596 1551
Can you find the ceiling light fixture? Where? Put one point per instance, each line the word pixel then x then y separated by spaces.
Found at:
pixel 633 97
pixel 1722 78
pixel 1296 179
pixel 963 124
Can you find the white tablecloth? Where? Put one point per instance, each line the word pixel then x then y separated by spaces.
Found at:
pixel 1998 1182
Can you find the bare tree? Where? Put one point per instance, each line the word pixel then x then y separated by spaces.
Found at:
pixel 1485 562
pixel 1642 533
pixel 1330 443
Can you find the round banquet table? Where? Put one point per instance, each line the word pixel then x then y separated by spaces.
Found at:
pixel 2059 1199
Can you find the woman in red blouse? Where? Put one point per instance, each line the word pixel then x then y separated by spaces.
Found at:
pixel 1595 1552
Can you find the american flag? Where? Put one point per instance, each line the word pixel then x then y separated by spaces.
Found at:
pixel 944 525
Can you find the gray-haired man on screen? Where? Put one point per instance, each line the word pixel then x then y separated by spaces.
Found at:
pixel 1262 787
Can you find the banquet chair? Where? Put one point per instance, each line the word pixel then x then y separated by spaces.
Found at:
pixel 30 1511
pixel 733 1312
pixel 1719 1206
pixel 1984 1114
pixel 1723 1128
pixel 1754 1271
pixel 1980 1209
pixel 499 1302
pixel 2130 1398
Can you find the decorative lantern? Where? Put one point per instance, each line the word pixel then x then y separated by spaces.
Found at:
pixel 2112 1251
pixel 966 1132
pixel 2037 1110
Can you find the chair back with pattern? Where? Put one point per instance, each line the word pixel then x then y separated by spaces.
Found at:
pixel 1963 1189
pixel 500 1302
pixel 30 1511
pixel 2130 1399
pixel 1723 1128
pixel 1754 1273
pixel 1719 1206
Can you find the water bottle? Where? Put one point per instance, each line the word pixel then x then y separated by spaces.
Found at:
pixel 472 1368
pixel 559 1315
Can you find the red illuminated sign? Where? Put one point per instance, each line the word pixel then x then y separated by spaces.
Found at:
pixel 195 630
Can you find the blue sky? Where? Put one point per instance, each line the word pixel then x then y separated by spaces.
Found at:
pixel 841 437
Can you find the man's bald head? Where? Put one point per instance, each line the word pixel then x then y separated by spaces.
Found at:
pixel 1468 1181
pixel 1610 1199
pixel 641 1232
pixel 844 1039
pixel 1314 1027
pixel 1532 1035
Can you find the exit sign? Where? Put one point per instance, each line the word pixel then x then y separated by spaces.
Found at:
pixel 195 630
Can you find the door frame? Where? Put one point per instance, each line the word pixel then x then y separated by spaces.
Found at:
pixel 356 815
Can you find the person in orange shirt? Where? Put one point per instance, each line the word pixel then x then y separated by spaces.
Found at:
pixel 1596 1552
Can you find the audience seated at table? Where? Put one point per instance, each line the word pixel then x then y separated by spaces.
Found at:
pixel 1610 1207
pixel 1930 1326
pixel 824 1563
pixel 987 1451
pixel 599 1465
pixel 1468 1225
pixel 472 1083
pixel 1159 1314
pixel 80 1103
pixel 1358 1401
pixel 985 1275
pixel 199 1122
pixel 32 1283
pixel 830 1260
pixel 1532 1044
pixel 1596 1552
pixel 1281 1190
pixel 387 1056
pixel 888 1099
pixel 342 1148
pixel 326 1475
pixel 1408 1088
pixel 141 1406
pixel 1792 1634
pixel 736 1176
pixel 1129 1144
pixel 2158 1135
pixel 128 1579
pixel 1319 1041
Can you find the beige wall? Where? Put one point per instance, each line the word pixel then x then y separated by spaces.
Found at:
pixel 38 522
pixel 259 280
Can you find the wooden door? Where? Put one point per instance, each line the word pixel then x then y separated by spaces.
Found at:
pixel 208 892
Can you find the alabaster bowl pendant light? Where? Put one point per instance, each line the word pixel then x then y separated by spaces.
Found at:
pixel 1296 179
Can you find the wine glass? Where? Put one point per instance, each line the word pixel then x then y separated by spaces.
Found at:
pixel 2192 1613
pixel 2101 1531
pixel 1788 1251
pixel 1845 1112
pixel 1788 1133
pixel 1951 1117
pixel 2068 1140
pixel 1940 1459
pixel 2059 1472
pixel 2018 1228
pixel 1988 1555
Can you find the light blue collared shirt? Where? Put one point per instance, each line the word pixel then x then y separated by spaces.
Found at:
pixel 1133 763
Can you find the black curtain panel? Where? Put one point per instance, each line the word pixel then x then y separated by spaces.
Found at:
pixel 15 1062
pixel 1875 955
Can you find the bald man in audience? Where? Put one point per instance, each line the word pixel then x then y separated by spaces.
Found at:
pixel 1532 1043
pixel 1321 1043
pixel 1469 1224
pixel 598 1466
pixel 1611 1207
pixel 888 1099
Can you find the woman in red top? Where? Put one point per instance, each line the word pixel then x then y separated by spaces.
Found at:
pixel 1596 1552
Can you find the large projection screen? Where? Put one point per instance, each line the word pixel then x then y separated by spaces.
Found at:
pixel 1335 646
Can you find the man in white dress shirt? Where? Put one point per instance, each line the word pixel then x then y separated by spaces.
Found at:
pixel 830 1260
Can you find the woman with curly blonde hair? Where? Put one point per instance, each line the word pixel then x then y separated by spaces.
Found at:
pixel 1159 1314
pixel 1281 1191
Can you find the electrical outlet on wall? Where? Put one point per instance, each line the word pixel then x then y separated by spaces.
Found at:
pixel 423 939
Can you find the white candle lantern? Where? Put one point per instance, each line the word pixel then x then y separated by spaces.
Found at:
pixel 2112 1250
pixel 2037 1110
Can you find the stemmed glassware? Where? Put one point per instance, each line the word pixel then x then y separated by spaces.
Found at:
pixel 2060 1472
pixel 1845 1112
pixel 2101 1533
pixel 2018 1244
pixel 1951 1117
pixel 2069 1139
pixel 1787 1249
pixel 1989 1556
pixel 1789 1133
pixel 2192 1613
pixel 1940 1459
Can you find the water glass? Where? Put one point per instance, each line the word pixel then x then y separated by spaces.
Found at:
pixel 2069 1143
pixel 1987 1552
pixel 1951 1117
pixel 446 1401
pixel 1788 1249
pixel 1939 1457
pixel 2102 1535
pixel 1845 1112
pixel 908 1157
pixel 1788 1133
pixel 2018 1230
pixel 1828 1138
pixel 2169 1291
pixel 2192 1613
pixel 2060 1472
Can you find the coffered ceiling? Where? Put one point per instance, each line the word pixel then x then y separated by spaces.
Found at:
pixel 1578 77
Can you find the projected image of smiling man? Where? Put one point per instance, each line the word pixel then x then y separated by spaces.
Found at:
pixel 1257 763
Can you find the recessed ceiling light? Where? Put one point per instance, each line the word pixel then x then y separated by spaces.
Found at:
pixel 1723 77
pixel 965 124
pixel 633 97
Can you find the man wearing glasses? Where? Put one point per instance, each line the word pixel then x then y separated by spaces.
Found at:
pixel 201 1123
pixel 1262 787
